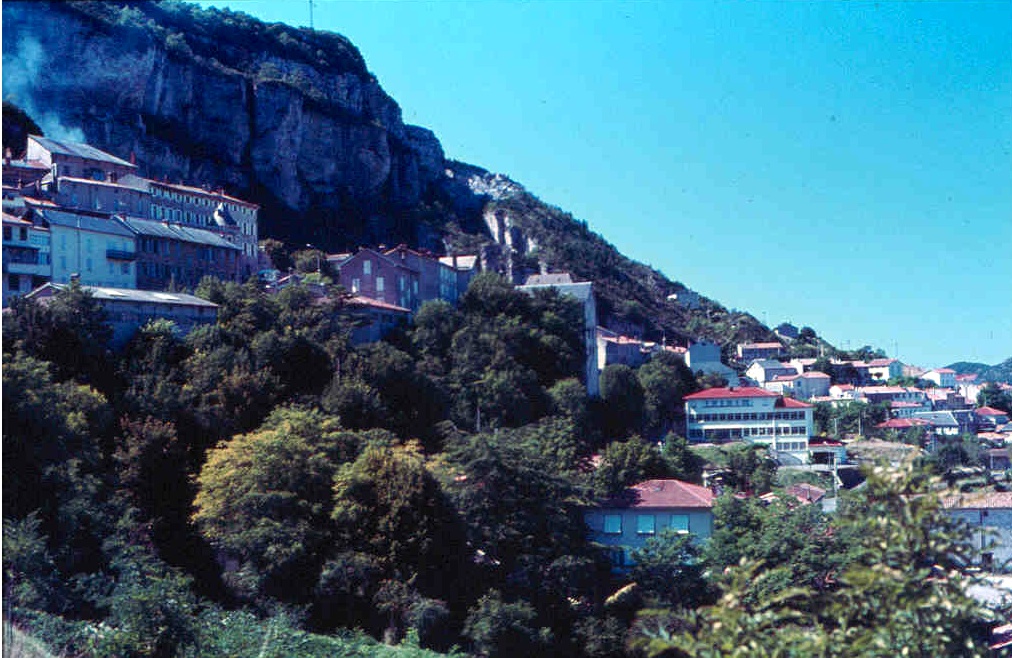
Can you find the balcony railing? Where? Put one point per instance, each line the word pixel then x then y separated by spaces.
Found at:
pixel 119 254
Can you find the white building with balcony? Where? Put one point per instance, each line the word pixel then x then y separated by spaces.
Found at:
pixel 719 415
pixel 26 263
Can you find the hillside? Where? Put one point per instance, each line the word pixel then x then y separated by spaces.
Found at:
pixel 1000 372
pixel 292 119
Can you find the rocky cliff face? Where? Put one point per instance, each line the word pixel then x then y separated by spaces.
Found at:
pixel 309 137
pixel 293 120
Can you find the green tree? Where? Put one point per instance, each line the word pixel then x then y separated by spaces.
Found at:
pixel 669 569
pixel 625 463
pixel 387 504
pixel 991 395
pixel 264 498
pixel 497 628
pixel 622 401
pixel 665 380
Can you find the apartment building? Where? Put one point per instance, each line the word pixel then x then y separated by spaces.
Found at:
pixel 751 414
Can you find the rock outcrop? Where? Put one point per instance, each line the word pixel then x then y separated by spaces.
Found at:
pixel 314 139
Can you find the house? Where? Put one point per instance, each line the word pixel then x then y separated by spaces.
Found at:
pixel 97 248
pixel 613 348
pixel 584 293
pixel 127 310
pixel 989 418
pixel 893 394
pixel 464 267
pixel 941 377
pixel 173 255
pixel 754 415
pixel 369 273
pixel 946 399
pixel 805 386
pixel 26 257
pixel 943 423
pixel 766 370
pixel 884 369
pixel 703 356
pixel 234 219
pixel 989 517
pixel 75 160
pixel 436 280
pixel 748 352
pixel 626 522
pixel 374 319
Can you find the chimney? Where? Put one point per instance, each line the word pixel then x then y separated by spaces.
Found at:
pixel 133 158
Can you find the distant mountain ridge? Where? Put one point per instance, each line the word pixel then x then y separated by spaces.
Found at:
pixel 1000 372
pixel 292 119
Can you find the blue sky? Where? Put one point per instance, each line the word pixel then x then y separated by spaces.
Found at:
pixel 846 166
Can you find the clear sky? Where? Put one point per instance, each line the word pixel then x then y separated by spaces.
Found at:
pixel 846 166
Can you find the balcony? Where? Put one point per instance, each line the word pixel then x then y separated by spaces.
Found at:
pixel 34 269
pixel 118 254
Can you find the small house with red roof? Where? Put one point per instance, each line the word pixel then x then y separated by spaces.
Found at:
pixel 989 418
pixel 989 517
pixel 624 523
pixel 751 414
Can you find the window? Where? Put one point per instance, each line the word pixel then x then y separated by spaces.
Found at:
pixel 356 285
pixel 645 524
pixel 379 284
pixel 24 234
pixel 367 267
pixel 613 524
pixel 7 233
pixel 126 268
pixel 679 522
pixel 14 281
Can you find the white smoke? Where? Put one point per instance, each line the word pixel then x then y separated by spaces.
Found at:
pixel 21 68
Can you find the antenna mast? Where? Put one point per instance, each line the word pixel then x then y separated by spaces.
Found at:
pixel 310 14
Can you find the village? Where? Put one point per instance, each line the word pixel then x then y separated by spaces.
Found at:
pixel 75 215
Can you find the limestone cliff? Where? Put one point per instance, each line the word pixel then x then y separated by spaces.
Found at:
pixel 288 117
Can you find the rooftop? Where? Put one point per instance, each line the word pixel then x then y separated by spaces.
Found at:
pixel 657 494
pixel 78 150
pixel 990 411
pixel 979 500
pixel 179 232
pixel 731 393
pixel 129 295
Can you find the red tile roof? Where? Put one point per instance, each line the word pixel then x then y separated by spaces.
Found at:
pixel 806 493
pixel 731 392
pixel 944 371
pixel 375 303
pixel 903 423
pixel 791 403
pixel 990 411
pixel 656 494
pixel 980 500
pixel 814 374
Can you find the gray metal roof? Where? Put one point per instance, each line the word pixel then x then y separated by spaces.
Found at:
pixel 79 150
pixel 158 229
pixel 150 296
pixel 94 223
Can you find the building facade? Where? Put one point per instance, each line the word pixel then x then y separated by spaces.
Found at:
pixel 625 523
pixel 171 256
pixel 128 310
pixel 99 249
pixel 26 257
pixel 719 415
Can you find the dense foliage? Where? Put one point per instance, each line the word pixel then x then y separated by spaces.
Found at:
pixel 262 486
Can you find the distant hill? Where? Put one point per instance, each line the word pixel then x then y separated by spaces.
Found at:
pixel 1001 372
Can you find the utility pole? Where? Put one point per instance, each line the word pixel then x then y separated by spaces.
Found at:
pixel 310 14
